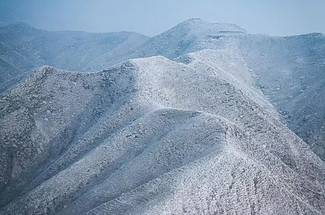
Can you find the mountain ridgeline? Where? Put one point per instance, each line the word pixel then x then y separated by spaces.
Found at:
pixel 24 48
pixel 201 119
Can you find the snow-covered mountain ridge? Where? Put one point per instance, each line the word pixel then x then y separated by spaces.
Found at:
pixel 200 124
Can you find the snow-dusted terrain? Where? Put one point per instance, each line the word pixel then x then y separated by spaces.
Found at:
pixel 199 125
pixel 291 73
pixel 24 48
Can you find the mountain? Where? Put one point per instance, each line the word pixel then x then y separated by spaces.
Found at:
pixel 291 73
pixel 189 36
pixel 66 50
pixel 204 119
pixel 289 70
pixel 152 136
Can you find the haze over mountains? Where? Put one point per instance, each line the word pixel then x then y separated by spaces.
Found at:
pixel 201 119
pixel 24 48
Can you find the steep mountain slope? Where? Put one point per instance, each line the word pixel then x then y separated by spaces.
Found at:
pixel 13 67
pixel 65 50
pixel 153 136
pixel 289 70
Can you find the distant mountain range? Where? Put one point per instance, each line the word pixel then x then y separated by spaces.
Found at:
pixel 24 48
pixel 201 119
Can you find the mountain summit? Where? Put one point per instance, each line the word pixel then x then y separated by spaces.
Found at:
pixel 199 27
pixel 201 119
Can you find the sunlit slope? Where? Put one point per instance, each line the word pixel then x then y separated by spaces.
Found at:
pixel 153 136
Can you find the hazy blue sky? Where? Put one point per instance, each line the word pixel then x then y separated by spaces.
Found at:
pixel 150 17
